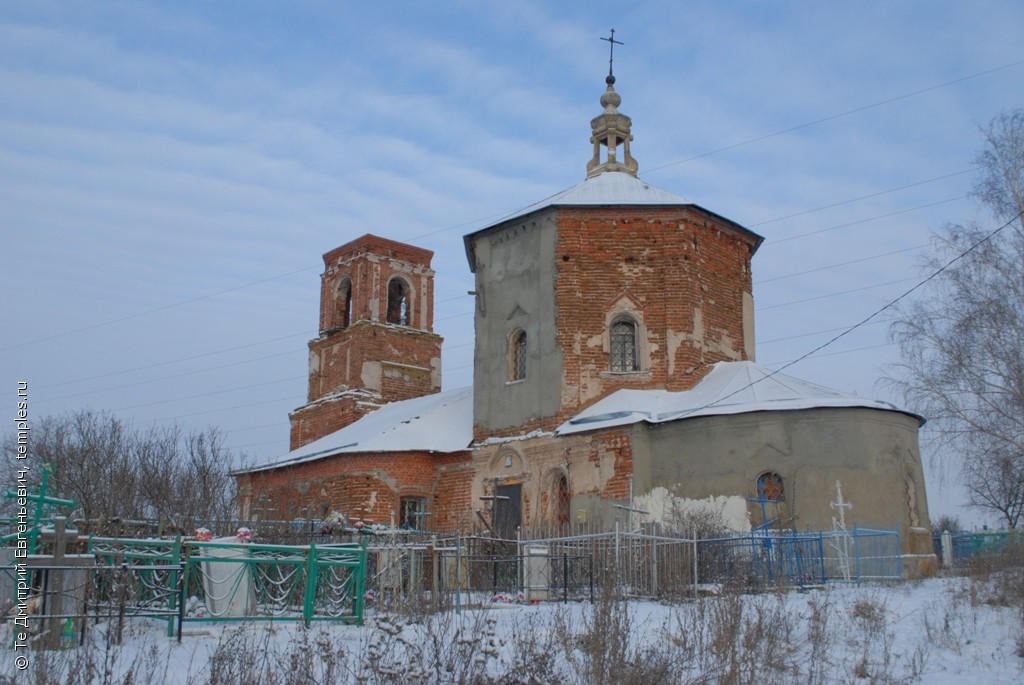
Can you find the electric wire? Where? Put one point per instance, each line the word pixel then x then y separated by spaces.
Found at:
pixel 772 242
pixel 846 331
pixel 869 196
pixel 775 241
pixel 840 115
pixel 491 216
pixel 851 329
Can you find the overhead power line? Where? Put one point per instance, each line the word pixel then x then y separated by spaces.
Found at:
pixel 500 214
pixel 775 241
pixel 864 197
pixel 147 312
pixel 863 322
pixel 168 362
pixel 836 294
pixel 840 115
pixel 836 266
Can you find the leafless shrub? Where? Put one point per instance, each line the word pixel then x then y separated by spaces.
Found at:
pixel 948 622
pixel 115 472
pixel 820 611
pixel 97 662
pixel 243 655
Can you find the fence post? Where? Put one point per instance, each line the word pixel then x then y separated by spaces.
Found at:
pixel 565 577
pixel 591 577
pixel 947 548
pixel 856 551
pixel 899 555
pixel 617 542
pixel 309 598
pixel 436 561
pixel 821 555
pixel 182 592
pixel 654 567
pixel 694 533
pixel 176 600
pixel 122 599
pixel 458 574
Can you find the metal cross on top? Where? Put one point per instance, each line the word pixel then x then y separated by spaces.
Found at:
pixel 611 49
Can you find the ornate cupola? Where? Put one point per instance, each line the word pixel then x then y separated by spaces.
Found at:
pixel 610 130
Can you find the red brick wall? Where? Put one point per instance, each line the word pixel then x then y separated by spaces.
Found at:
pixel 453 498
pixel 364 486
pixel 313 421
pixel 595 464
pixel 670 261
pixel 369 263
pixel 390 361
pixel 342 357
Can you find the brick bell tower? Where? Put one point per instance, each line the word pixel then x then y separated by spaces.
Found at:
pixel 376 342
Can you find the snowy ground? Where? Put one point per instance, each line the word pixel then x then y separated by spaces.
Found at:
pixel 937 631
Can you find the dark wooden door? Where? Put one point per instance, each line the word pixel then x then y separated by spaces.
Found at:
pixel 508 510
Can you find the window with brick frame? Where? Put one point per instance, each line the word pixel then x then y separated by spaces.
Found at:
pixel 517 355
pixel 411 513
pixel 399 307
pixel 623 348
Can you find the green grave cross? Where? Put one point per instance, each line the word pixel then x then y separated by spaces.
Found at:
pixel 41 500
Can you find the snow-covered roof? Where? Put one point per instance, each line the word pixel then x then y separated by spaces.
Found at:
pixel 729 388
pixel 607 189
pixel 442 422
pixel 612 188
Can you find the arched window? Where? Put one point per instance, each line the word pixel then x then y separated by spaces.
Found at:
pixel 517 355
pixel 623 345
pixel 561 501
pixel 769 486
pixel 343 304
pixel 398 303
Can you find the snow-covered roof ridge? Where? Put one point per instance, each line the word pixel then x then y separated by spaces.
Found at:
pixel 729 388
pixel 441 422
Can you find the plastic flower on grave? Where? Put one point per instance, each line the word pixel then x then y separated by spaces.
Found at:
pixel 244 534
pixel 203 534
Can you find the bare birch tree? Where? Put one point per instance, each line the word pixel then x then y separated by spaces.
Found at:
pixel 962 344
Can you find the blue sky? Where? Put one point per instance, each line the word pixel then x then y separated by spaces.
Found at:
pixel 170 173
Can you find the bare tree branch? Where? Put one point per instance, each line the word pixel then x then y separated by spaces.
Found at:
pixel 962 343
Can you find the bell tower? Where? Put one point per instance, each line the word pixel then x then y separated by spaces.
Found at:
pixel 376 342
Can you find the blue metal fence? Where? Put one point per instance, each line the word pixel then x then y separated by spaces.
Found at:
pixel 803 558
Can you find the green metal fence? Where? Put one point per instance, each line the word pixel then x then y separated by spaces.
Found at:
pixel 234 581
pixel 254 582
pixel 155 570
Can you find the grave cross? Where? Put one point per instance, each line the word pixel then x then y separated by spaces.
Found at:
pixel 841 506
pixel 66 580
pixel 41 500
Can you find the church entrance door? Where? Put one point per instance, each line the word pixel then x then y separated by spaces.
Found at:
pixel 508 510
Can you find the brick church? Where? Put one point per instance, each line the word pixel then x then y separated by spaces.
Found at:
pixel 613 371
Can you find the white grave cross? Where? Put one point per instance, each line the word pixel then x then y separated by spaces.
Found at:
pixel 841 506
